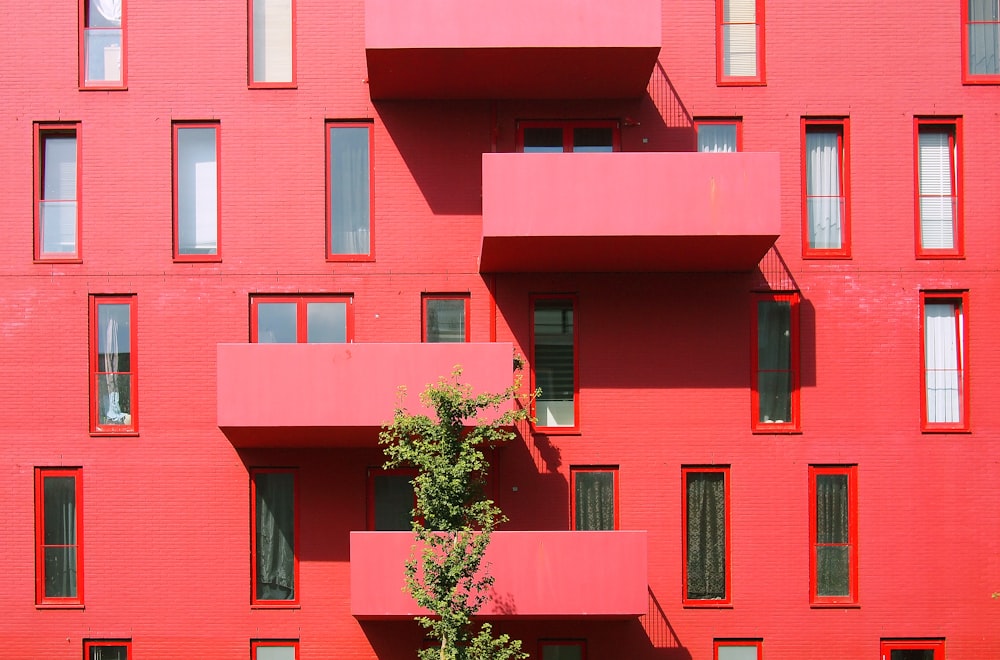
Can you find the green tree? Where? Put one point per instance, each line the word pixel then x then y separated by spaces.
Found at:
pixel 453 519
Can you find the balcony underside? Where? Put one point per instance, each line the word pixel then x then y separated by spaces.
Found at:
pixel 339 395
pixel 628 212
pixel 537 575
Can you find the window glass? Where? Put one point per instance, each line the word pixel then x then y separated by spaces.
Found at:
pixel 554 358
pixel 774 351
pixel 592 139
pixel 102 651
pixel 350 191
pixel 274 521
pixel 944 374
pixel 717 137
pixel 825 202
pixel 275 652
pixel 394 501
pixel 706 551
pixel 739 37
pixel 562 652
pixel 276 323
pixel 197 191
pixel 593 499
pixel 832 535
pixel 327 322
pixel 114 367
pixel 937 191
pixel 543 139
pixel 911 654
pixel 445 319
pixel 103 45
pixel 57 206
pixel 983 39
pixel 737 652
pixel 272 41
pixel 59 537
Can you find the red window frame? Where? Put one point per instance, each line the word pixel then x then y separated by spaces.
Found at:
pixel 75 473
pixel 329 126
pixel 179 126
pixel 840 127
pixel 889 645
pixel 968 77
pixel 792 425
pixel 572 300
pixel 89 644
pixel 686 471
pixel 375 472
pixel 252 83
pixel 721 24
pixel 952 127
pixel 103 85
pixel 742 643
pixel 574 471
pixel 580 644
pixel 130 424
pixel 567 126
pixel 257 643
pixel 256 601
pixel 43 131
pixel 850 599
pixel 302 309
pixel 960 303
pixel 737 122
pixel 425 313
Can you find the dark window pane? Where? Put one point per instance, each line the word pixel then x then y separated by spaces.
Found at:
pixel 446 320
pixel 562 652
pixel 706 535
pixel 60 510
pixel 393 502
pixel 832 522
pixel 275 535
pixel 109 652
pixel 554 357
pixel 276 323
pixel 832 570
pixel 911 654
pixel 595 500
pixel 592 139
pixel 543 140
pixel 60 572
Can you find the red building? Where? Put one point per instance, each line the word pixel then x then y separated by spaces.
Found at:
pixel 768 423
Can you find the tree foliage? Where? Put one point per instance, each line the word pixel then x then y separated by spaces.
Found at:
pixel 453 518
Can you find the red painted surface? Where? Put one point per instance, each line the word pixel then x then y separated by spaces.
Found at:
pixel 280 391
pixel 521 49
pixel 628 211
pixel 664 358
pixel 537 574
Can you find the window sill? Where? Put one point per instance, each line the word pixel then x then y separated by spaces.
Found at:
pixel 750 82
pixel 59 606
pixel 555 430
pixel 778 430
pixel 59 260
pixel 815 254
pixel 264 85
pixel 835 606
pixel 707 605
pixel 348 258
pixel 275 606
pixel 103 88
pixel 946 429
pixel 114 434
pixel 211 259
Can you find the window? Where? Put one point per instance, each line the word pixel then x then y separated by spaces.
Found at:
pixel 833 532
pixel 705 512
pixel 301 319
pixel 58 536
pixel 594 491
pixel 944 374
pixel 568 136
pixel 719 135
pixel 939 207
pixel 913 649
pixel 274 511
pixel 117 649
pixel 553 359
pixel 349 198
pixel 446 318
pixel 196 192
pixel 562 650
pixel 825 186
pixel 740 38
pixel 57 186
pixel 113 364
pixel 775 393
pixel 390 499
pixel 271 649
pixel 727 649
pixel 981 41
pixel 272 43
pixel 102 44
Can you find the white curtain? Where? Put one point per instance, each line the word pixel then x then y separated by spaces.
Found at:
pixel 197 191
pixel 942 348
pixel 717 138
pixel 823 199
pixel 739 35
pixel 937 203
pixel 57 208
pixel 108 10
pixel 984 37
pixel 350 207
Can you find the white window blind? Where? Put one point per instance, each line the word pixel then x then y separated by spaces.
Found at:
pixel 739 34
pixel 937 201
pixel 272 41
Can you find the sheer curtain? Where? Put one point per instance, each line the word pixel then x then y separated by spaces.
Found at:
pixel 984 37
pixel 60 537
pixel 595 500
pixel 774 351
pixel 823 199
pixel 937 203
pixel 717 138
pixel 941 351
pixel 832 525
pixel 275 536
pixel 349 191
pixel 706 535
pixel 58 203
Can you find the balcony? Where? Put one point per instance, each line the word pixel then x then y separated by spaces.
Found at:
pixel 338 395
pixel 537 575
pixel 493 49
pixel 628 212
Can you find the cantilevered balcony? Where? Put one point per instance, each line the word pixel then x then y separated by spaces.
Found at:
pixel 497 49
pixel 628 212
pixel 537 575
pixel 298 395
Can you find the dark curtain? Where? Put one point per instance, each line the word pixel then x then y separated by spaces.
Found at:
pixel 774 354
pixel 595 500
pixel 275 536
pixel 706 536
pixel 60 537
pixel 832 536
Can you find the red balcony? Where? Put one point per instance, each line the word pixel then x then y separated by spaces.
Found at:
pixel 493 49
pixel 537 574
pixel 299 395
pixel 631 212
